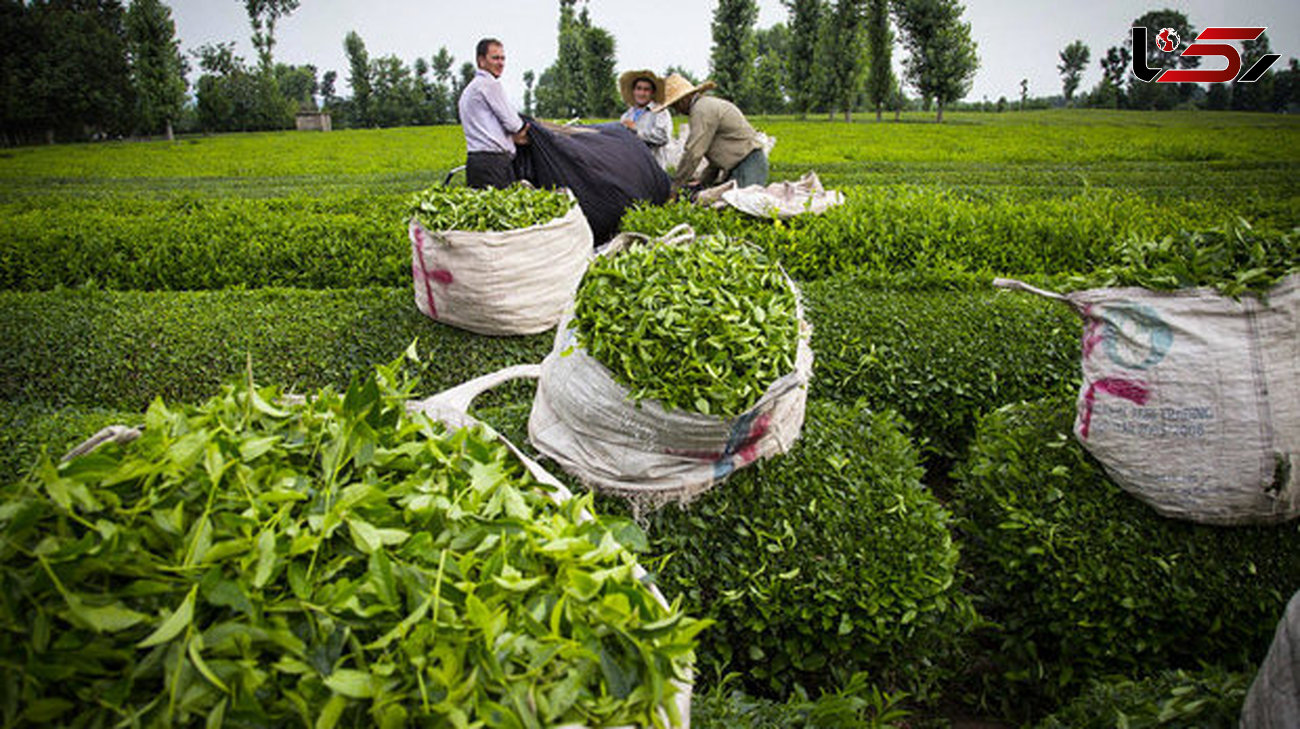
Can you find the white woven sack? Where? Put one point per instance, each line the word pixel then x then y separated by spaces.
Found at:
pixel 585 421
pixel 1191 399
pixel 500 282
pixel 780 199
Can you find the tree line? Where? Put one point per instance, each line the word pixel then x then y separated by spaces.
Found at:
pixel 1119 89
pixel 77 69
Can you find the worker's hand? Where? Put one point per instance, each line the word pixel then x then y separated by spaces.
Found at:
pixel 521 137
pixel 629 124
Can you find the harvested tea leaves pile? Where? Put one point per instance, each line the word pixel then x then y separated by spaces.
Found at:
pixel 703 327
pixel 1234 259
pixel 463 208
pixel 331 563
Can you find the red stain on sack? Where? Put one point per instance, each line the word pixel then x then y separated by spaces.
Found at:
pixel 1135 392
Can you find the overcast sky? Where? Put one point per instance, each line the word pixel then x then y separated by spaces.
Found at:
pixel 1016 38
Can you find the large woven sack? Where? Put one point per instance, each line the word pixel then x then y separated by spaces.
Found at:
pixel 500 282
pixel 782 200
pixel 584 420
pixel 451 407
pixel 1191 399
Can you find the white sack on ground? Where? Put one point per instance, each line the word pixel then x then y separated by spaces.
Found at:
pixel 783 200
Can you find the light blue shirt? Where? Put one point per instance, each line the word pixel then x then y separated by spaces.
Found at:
pixel 486 116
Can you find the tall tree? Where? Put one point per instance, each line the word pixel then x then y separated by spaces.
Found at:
pixel 732 56
pixel 801 61
pixel 529 79
pixel 568 62
pixel 1024 92
pixel 394 100
pixel 272 110
pixel 442 86
pixel 298 84
pixel 227 92
pixel 18 112
pixel 768 85
pixel 81 75
pixel 1286 88
pixel 1143 95
pixel 359 78
pixel 880 47
pixel 263 15
pixel 942 56
pixel 157 66
pixel 1218 97
pixel 424 90
pixel 600 96
pixel 1114 67
pixel 844 54
pixel 581 82
pixel 1074 59
pixel 327 87
pixel 1256 95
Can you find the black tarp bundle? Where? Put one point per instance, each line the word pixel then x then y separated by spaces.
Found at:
pixel 607 167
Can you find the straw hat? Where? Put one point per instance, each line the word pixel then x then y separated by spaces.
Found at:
pixel 629 79
pixel 676 87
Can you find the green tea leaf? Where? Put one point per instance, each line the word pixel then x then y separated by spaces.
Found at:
pixel 179 620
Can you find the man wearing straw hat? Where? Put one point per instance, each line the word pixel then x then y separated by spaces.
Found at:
pixel 492 128
pixel 639 89
pixel 719 133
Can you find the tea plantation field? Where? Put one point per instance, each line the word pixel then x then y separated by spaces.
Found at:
pixel 937 549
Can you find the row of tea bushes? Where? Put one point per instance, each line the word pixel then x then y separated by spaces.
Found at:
pixel 898 229
pixel 123 349
pixel 1082 581
pixel 938 357
pixel 185 242
pixel 352 238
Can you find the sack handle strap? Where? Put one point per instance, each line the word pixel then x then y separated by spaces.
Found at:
pixel 1013 284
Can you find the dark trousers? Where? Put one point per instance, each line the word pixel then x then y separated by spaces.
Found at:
pixel 488 169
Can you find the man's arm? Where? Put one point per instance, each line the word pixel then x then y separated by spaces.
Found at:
pixel 495 96
pixel 703 127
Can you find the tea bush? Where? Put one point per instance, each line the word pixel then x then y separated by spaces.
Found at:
pixel 820 563
pixel 123 349
pixel 343 237
pixel 1083 580
pixel 28 430
pixel 1209 698
pixel 939 357
pixel 857 705
pixel 898 229
pixel 187 242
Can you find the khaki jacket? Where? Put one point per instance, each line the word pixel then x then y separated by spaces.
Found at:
pixel 719 133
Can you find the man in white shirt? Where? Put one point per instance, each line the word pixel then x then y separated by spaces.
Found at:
pixel 492 127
